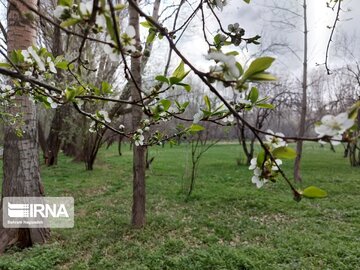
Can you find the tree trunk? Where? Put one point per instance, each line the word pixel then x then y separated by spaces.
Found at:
pixel 299 144
pixel 138 208
pixel 21 154
pixel 53 142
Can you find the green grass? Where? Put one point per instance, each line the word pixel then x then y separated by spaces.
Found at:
pixel 227 223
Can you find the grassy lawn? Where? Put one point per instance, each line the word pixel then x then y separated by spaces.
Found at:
pixel 227 223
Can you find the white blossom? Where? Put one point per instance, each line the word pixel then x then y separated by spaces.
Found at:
pixel 111 51
pixel 101 21
pixel 37 59
pixel 198 116
pixel 334 125
pixel 258 181
pixel 121 127
pixel 87 7
pixel 92 127
pixel 274 140
pixel 253 164
pixel 52 103
pixel 138 139
pixel 128 39
pixel 229 119
pixel 28 73
pixel 105 115
pixel 228 66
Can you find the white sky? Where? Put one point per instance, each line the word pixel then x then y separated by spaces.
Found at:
pixel 255 17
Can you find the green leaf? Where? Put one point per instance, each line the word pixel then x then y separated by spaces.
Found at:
pixel 67 3
pixel 265 106
pixel 354 110
pixel 186 86
pixel 180 72
pixel 196 128
pixel 166 104
pixel 106 87
pixel 119 7
pixel 174 80
pixel 247 1
pixel 16 57
pixel 257 66
pixel 260 158
pixel 284 152
pixel 62 65
pixel 253 95
pixel 150 38
pixel 263 76
pixel 5 65
pixel 240 68
pixel 110 27
pixel 207 102
pixel 162 78
pixel 70 22
pixel 235 53
pixel 70 93
pixel 146 24
pixel 314 192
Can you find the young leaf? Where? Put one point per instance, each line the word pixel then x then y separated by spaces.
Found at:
pixel 284 152
pixel 314 192
pixel 166 103
pixel 67 3
pixel 257 66
pixel 150 38
pixel 196 128
pixel 70 93
pixel 265 106
pixel 5 65
pixel 174 80
pixel 162 78
pixel 263 76
pixel 119 7
pixel 207 102
pixel 180 72
pixel 260 158
pixel 187 87
pixel 146 24
pixel 62 65
pixel 105 87
pixel 253 95
pixel 70 22
pixel 110 27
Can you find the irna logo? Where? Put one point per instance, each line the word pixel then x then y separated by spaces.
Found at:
pixel 25 210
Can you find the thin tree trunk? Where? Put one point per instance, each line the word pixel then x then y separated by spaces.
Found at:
pixel 53 142
pixel 138 208
pixel 21 154
pixel 299 144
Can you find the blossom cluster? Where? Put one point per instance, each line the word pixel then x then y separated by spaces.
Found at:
pixel 226 66
pixel 268 168
pixel 334 127
pixel 81 13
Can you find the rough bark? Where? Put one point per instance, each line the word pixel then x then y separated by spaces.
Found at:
pixel 299 144
pixel 138 207
pixel 21 156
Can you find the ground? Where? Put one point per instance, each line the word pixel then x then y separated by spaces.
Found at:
pixel 227 224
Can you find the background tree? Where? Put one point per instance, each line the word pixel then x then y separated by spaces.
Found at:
pixel 21 159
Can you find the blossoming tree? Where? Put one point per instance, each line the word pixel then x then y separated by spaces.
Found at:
pixel 32 71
